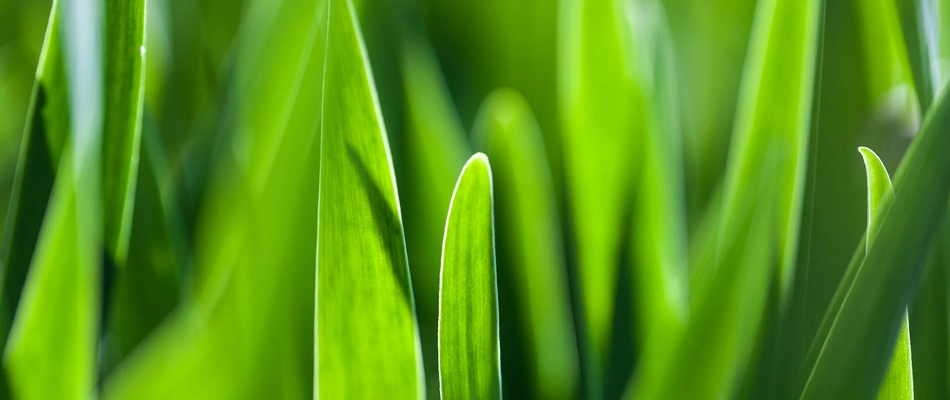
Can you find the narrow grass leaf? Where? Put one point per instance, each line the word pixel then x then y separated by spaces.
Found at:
pixel 469 354
pixel 530 247
pixel 599 106
pixel 367 343
pixel 899 381
pixel 853 357
pixel 125 71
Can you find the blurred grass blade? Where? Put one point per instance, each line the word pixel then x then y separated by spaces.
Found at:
pixel 247 331
pixel 899 381
pixel 599 106
pixel 769 146
pixel 530 248
pixel 854 355
pixel 122 126
pixel 367 338
pixel 928 322
pixel 658 239
pixel 44 136
pixel 52 347
pixel 469 357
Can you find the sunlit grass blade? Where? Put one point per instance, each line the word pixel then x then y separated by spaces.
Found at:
pixel 122 126
pixel 469 355
pixel 769 147
pixel 44 136
pixel 598 106
pixel 52 348
pixel 899 381
pixel 530 247
pixel 854 355
pixel 366 334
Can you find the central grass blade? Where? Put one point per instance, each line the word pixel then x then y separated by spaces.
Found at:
pixel 853 349
pixel 367 342
pixel 122 126
pixel 599 105
pixel 469 357
pixel 899 381
pixel 52 348
pixel 530 248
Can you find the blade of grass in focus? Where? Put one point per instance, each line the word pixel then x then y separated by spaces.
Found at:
pixel 530 247
pixel 366 333
pixel 49 353
pixel 469 354
pixel 598 106
pixel 854 353
pixel 124 68
pixel 899 380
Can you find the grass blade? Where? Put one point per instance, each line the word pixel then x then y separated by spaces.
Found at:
pixel 122 126
pixel 469 355
pixel 530 244
pixel 367 338
pixel 899 381
pixel 854 354
pixel 599 106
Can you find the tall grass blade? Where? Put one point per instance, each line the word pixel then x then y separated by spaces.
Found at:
pixel 469 354
pixel 367 343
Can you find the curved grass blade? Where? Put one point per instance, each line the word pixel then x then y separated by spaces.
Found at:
pixel 367 341
pixel 45 134
pixel 122 126
pixel 469 355
pixel 52 347
pixel 530 248
pixel 853 355
pixel 599 105
pixel 899 381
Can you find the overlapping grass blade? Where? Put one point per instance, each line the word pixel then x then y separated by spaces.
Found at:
pixel 260 211
pixel 530 247
pixel 122 126
pixel 51 353
pixel 899 381
pixel 469 354
pixel 770 137
pixel 853 355
pixel 367 338
pixel 599 106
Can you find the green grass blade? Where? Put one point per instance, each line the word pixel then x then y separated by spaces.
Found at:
pixel 122 126
pixel 52 347
pixel 658 240
pixel 854 355
pixel 44 136
pixel 469 355
pixel 928 322
pixel 530 248
pixel 899 381
pixel 367 338
pixel 599 105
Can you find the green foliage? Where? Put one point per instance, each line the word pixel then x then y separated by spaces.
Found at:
pixel 215 199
